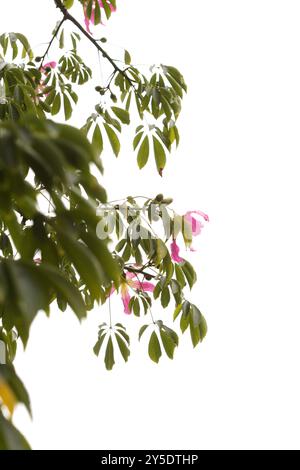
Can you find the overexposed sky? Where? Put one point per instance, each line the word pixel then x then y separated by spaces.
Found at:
pixel 239 162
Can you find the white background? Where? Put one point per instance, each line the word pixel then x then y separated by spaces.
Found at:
pixel 238 161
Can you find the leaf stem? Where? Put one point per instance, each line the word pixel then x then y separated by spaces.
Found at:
pixel 109 309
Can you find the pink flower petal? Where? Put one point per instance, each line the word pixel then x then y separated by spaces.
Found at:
pixel 143 286
pixel 88 20
pixel 202 214
pixel 137 284
pixel 148 287
pixel 126 299
pixel 175 252
pixel 112 290
pixel 51 65
pixel 110 5
pixel 130 275
pixel 87 23
pixel 196 224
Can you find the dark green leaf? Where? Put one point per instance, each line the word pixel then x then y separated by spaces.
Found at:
pixel 109 355
pixel 154 349
pixel 123 348
pixel 113 138
pixel 121 114
pixel 143 153
pixel 160 155
pixel 10 437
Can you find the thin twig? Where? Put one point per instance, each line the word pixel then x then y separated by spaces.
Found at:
pixel 52 40
pixel 68 16
pixel 130 269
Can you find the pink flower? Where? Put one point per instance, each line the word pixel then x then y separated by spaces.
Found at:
pixel 49 65
pixel 88 20
pixel 133 281
pixel 125 298
pixel 44 69
pixel 175 252
pixel 195 228
pixel 196 224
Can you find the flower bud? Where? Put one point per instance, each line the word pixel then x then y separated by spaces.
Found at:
pixel 159 198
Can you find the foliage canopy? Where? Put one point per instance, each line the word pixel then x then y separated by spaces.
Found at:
pixel 60 239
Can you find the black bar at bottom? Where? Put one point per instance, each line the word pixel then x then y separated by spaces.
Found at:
pixel 127 459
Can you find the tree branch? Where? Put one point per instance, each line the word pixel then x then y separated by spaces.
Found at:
pixel 51 42
pixel 68 16
pixel 147 275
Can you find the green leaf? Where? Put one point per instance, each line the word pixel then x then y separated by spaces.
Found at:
pixel 127 58
pixel 5 245
pixel 189 273
pixel 123 334
pixel 62 39
pixel 136 307
pixel 165 297
pixel 27 293
pixel 99 344
pixel 65 288
pixel 10 380
pixel 127 252
pixel 198 325
pixel 137 139
pixel 10 437
pixel 89 8
pixel 161 251
pixel 109 355
pixel 121 114
pixel 184 323
pixel 168 343
pixel 107 9
pixel 157 291
pixel 154 349
pixel 113 138
pixel 123 348
pixel 185 317
pixel 203 328
pixel 143 153
pixel 67 107
pixel 180 276
pixel 97 13
pixel 84 261
pixel 160 155
pixel 142 331
pixel 195 334
pixel 176 75
pixel 24 41
pixel 97 141
pixel 177 311
pixel 121 245
pixel 56 105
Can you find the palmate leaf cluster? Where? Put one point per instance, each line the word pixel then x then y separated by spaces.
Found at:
pixel 52 202
pixel 157 97
pixel 140 250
